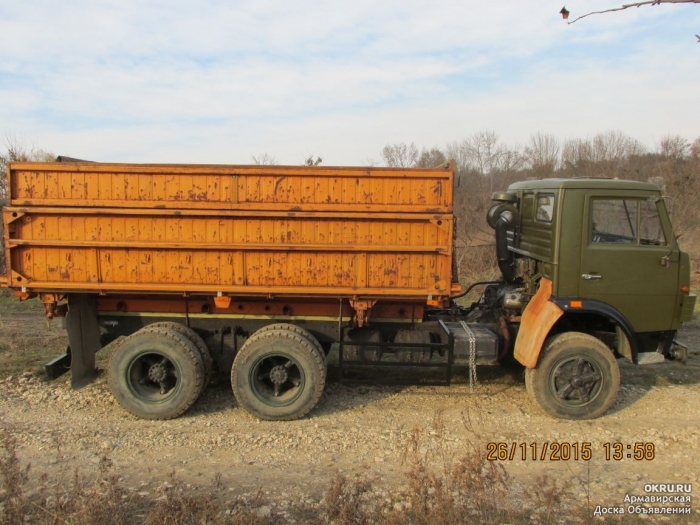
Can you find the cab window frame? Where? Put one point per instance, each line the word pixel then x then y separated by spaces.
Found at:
pixel 550 210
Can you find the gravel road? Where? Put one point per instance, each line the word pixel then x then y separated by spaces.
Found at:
pixel 361 429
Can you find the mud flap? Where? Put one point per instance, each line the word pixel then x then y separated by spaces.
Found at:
pixel 538 318
pixel 83 338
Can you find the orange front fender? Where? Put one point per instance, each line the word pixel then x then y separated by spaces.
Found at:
pixel 538 318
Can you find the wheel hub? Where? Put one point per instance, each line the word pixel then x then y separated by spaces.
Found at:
pixel 577 380
pixel 157 373
pixel 279 375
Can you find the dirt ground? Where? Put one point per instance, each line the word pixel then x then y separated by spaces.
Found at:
pixel 357 429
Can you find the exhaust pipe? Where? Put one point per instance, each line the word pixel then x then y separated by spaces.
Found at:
pixel 504 218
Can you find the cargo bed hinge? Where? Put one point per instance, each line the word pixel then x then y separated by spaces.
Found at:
pixel 13 215
pixel 18 279
pixel 362 310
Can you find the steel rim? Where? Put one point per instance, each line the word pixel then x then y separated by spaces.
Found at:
pixel 576 381
pixel 277 379
pixel 153 377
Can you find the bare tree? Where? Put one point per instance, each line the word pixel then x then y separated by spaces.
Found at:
pixel 483 154
pixel 677 170
pixel 542 154
pixel 565 12
pixel 673 146
pixel 695 152
pixel 310 161
pixel 604 155
pixel 400 155
pixel 264 159
pixel 431 158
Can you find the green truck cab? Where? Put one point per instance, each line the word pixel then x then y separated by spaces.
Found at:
pixel 617 285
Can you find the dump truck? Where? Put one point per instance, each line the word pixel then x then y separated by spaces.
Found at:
pixel 258 271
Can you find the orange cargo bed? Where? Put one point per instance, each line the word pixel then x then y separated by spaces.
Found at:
pixel 235 230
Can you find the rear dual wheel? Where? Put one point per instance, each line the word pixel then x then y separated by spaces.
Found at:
pixel 295 330
pixel 278 375
pixel 193 336
pixel 156 374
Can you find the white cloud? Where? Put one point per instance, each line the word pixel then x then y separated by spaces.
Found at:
pixel 220 81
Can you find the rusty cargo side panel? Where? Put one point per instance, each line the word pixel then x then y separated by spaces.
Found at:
pixel 274 188
pixel 231 229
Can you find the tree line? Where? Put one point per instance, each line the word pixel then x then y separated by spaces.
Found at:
pixel 484 164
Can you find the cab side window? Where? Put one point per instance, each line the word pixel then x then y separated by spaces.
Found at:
pixel 545 207
pixel 650 229
pixel 614 221
pixel 617 220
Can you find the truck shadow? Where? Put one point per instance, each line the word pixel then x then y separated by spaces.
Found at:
pixel 637 381
pixel 363 386
pixel 366 386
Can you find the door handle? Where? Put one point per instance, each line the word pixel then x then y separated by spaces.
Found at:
pixel 592 276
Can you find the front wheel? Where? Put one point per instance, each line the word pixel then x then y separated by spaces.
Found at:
pixel 577 377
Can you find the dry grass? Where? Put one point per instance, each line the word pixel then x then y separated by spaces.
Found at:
pixel 26 342
pixel 439 488
pixel 101 498
pixel 10 304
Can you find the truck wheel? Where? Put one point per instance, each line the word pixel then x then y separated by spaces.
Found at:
pixel 577 377
pixel 278 375
pixel 193 336
pixel 156 374
pixel 297 330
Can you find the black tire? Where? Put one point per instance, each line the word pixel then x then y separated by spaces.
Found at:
pixel 193 336
pixel 296 330
pixel 156 374
pixel 363 353
pixel 278 375
pixel 577 377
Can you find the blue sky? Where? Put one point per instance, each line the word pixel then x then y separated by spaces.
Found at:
pixel 218 82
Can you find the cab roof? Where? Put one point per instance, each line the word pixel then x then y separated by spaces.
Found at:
pixel 584 183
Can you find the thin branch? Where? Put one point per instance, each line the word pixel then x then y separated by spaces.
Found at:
pixel 636 4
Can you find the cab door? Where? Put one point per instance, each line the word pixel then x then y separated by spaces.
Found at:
pixel 630 259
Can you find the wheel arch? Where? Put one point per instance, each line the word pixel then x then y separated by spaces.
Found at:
pixel 547 315
pixel 588 312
